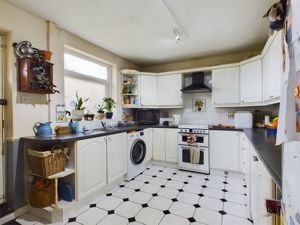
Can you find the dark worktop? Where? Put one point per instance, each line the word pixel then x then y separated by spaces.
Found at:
pixel 225 128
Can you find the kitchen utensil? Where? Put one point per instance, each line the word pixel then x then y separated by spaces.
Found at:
pixel 24 49
pixel 42 129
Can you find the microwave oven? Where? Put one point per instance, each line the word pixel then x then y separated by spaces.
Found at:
pixel 147 116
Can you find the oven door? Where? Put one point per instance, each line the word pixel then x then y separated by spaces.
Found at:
pixel 202 139
pixel 185 159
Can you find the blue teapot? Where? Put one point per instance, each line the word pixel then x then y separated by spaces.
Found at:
pixel 42 129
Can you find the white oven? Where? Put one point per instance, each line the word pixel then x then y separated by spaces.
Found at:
pixel 193 155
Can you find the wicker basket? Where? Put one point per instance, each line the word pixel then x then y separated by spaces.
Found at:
pixel 42 197
pixel 47 163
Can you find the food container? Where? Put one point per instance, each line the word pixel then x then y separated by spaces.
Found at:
pixel 271 132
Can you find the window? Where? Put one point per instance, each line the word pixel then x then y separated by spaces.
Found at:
pixel 87 76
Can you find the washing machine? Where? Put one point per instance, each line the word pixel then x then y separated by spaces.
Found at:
pixel 136 152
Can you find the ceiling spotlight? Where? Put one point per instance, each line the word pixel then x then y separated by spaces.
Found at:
pixel 177 35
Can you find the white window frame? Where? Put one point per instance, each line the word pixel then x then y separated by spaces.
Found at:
pixel 91 58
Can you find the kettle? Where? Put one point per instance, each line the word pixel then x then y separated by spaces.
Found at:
pixel 42 129
pixel 176 119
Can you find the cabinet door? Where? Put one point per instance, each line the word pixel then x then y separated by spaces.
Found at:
pixel 169 90
pixel 251 82
pixel 116 156
pixel 226 86
pixel 272 71
pixel 171 145
pixel 148 90
pixel 148 142
pixel 91 165
pixel 224 150
pixel 254 186
pixel 159 144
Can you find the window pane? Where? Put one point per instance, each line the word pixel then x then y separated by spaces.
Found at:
pixel 95 91
pixel 82 66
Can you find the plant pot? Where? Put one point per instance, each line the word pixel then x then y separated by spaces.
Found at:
pixel 77 114
pixel 108 115
pixel 100 116
pixel 46 54
pixel 89 116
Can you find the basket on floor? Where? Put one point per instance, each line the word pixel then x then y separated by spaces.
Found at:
pixel 42 195
pixel 47 163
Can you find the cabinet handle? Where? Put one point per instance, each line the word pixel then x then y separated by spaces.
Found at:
pixel 271 96
pixel 254 158
pixel 109 139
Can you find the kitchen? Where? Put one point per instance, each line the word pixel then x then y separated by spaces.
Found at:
pixel 165 126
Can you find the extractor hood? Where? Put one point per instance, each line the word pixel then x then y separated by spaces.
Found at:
pixel 197 85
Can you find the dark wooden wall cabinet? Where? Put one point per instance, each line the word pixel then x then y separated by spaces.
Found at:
pixel 35 76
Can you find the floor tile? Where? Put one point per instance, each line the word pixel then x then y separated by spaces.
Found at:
pixel 113 219
pixel 149 216
pixel 170 170
pixel 184 173
pixel 198 223
pixel 236 209
pixel 123 192
pixel 236 197
pixel 192 188
pixel 235 182
pixel 214 193
pixel 165 175
pixel 208 216
pixel 217 178
pixel 140 197
pixel 187 197
pixel 91 216
pixel 236 189
pixel 150 188
pixel 134 184
pixel 128 209
pixel 211 203
pixel 168 193
pixel 158 181
pixel 230 220
pixel 134 223
pixel 109 203
pixel 27 219
pixel 196 181
pixel 150 172
pixel 182 209
pixel 143 178
pixel 180 178
pixel 160 203
pixel 218 184
pixel 174 220
pixel 174 184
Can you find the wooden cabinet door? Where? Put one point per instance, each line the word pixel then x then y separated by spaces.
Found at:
pixel 148 90
pixel 116 156
pixel 148 141
pixel 171 145
pixel 251 82
pixel 169 90
pixel 226 86
pixel 91 165
pixel 224 150
pixel 159 144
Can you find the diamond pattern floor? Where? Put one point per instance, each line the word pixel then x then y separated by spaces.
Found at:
pixel 164 196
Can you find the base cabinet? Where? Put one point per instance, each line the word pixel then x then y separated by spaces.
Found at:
pixel 91 165
pixel 159 144
pixel 171 145
pixel 148 142
pixel 116 156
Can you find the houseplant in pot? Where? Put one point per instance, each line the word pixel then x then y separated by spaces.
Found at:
pixel 78 111
pixel 100 112
pixel 108 105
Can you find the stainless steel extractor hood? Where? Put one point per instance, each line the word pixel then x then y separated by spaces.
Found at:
pixel 197 85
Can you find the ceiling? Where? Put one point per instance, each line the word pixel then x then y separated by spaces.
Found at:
pixel 142 30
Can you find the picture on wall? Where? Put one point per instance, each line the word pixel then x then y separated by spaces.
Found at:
pixel 199 105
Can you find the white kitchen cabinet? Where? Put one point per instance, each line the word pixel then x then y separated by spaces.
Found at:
pixel 251 82
pixel 169 90
pixel 91 165
pixel 171 145
pixel 226 86
pixel 159 144
pixel 148 90
pixel 272 70
pixel 224 150
pixel 116 156
pixel 148 141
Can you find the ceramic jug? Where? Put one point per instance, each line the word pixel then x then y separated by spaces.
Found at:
pixel 42 129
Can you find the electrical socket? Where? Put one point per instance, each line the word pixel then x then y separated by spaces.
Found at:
pixel 25 99
pixel 231 115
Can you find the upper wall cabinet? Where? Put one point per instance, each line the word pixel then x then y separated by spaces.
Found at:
pixel 226 85
pixel 148 90
pixel 169 90
pixel 251 82
pixel 272 70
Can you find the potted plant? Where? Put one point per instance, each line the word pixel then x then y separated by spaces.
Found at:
pixel 78 111
pixel 100 111
pixel 108 105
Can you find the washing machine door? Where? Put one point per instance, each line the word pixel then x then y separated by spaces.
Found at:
pixel 138 152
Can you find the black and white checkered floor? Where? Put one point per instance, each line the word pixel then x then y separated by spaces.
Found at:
pixel 168 196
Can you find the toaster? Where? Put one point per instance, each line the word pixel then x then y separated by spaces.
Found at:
pixel 243 120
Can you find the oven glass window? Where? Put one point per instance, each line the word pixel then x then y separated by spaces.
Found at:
pixel 187 156
pixel 138 152
pixel 199 139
